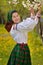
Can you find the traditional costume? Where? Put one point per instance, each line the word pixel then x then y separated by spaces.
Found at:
pixel 20 54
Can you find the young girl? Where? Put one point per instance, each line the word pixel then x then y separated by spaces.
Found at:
pixel 20 54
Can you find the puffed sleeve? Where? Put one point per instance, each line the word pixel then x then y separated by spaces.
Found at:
pixel 27 25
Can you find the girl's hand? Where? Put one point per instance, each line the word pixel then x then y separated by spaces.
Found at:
pixel 32 11
pixel 39 6
pixel 38 14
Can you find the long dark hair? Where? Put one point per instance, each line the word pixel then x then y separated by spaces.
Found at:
pixel 9 23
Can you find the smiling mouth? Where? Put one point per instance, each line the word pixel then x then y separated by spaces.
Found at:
pixel 17 20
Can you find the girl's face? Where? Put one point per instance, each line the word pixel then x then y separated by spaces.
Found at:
pixel 16 17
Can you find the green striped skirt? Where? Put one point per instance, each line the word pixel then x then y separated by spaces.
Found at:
pixel 20 55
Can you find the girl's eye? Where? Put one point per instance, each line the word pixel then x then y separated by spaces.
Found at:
pixel 15 16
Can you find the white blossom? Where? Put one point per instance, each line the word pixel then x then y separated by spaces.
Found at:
pixel 23 3
pixel 9 2
pixel 14 0
pixel 34 4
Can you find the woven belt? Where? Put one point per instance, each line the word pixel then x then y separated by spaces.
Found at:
pixel 22 44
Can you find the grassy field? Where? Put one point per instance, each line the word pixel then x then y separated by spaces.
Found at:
pixel 7 43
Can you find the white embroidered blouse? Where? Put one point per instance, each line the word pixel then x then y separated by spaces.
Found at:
pixel 20 34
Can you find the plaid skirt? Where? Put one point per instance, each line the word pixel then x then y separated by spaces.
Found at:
pixel 20 55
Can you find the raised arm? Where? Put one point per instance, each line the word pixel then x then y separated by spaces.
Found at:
pixel 29 23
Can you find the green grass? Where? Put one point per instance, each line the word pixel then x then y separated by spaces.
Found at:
pixel 7 43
